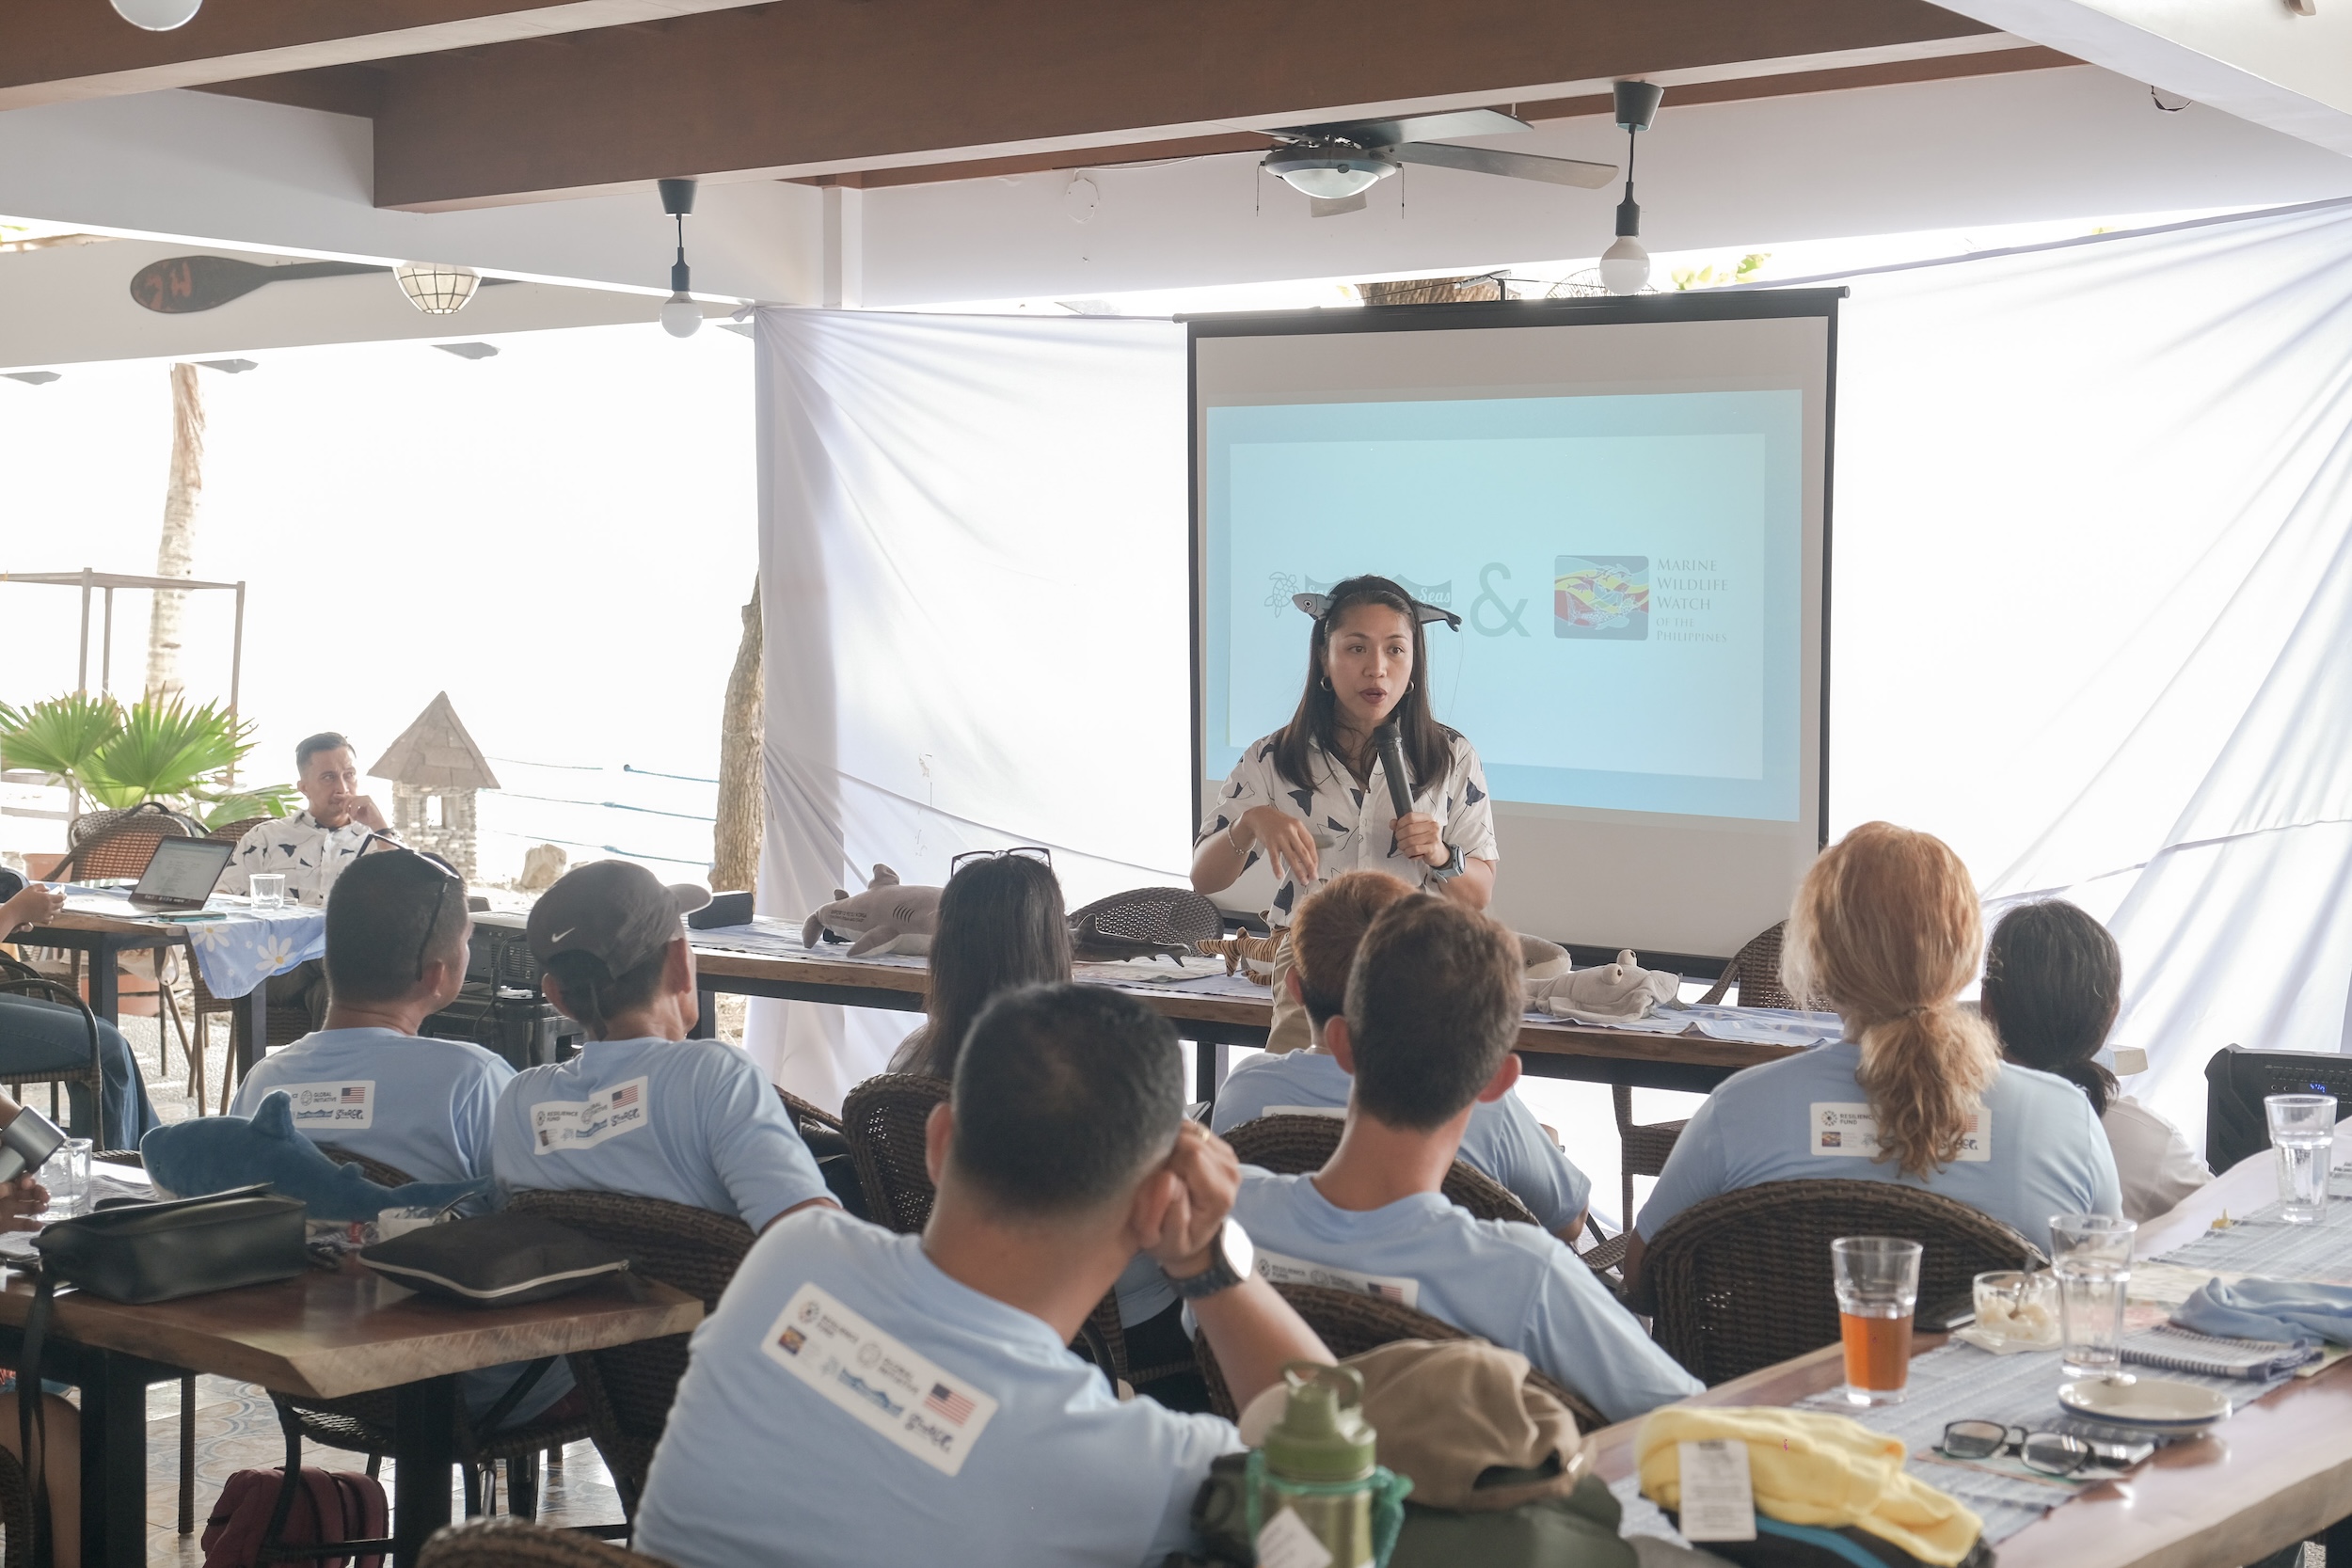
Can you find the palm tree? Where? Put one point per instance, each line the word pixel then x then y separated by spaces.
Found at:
pixel 175 552
pixel 735 843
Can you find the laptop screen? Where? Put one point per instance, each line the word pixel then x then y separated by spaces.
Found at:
pixel 184 869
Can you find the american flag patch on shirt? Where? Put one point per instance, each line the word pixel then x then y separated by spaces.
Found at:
pixel 954 1406
pixel 354 1094
pixel 626 1095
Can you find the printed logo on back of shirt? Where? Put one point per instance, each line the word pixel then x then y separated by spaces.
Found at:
pixel 1277 1268
pixel 1845 1129
pixel 918 1405
pixel 344 1107
pixel 571 1126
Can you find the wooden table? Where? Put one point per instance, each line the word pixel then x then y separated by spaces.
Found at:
pixel 2277 1472
pixel 1547 1050
pixel 105 938
pixel 325 1334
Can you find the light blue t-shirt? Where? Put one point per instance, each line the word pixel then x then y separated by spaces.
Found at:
pixel 2038 1151
pixel 422 1105
pixel 848 1402
pixel 691 1121
pixel 1502 1141
pixel 1505 1282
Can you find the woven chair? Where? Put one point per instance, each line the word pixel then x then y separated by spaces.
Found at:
pixel 629 1388
pixel 1144 922
pixel 16 1512
pixel 1350 1324
pixel 1296 1145
pixel 1643 1147
pixel 21 980
pixel 1745 1280
pixel 513 1543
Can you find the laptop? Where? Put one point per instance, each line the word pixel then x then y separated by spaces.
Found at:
pixel 183 874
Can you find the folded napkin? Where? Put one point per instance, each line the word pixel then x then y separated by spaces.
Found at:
pixel 1608 994
pixel 2287 1310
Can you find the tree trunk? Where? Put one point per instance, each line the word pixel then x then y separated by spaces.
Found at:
pixel 735 846
pixel 175 552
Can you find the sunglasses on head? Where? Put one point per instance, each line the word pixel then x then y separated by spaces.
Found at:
pixel 1025 851
pixel 377 843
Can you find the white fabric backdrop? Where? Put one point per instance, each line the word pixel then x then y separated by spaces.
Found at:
pixel 973 574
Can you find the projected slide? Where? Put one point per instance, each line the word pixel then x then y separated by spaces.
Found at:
pixel 1628 568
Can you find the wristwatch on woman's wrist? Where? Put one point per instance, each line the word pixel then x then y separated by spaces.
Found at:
pixel 1453 867
pixel 1229 1259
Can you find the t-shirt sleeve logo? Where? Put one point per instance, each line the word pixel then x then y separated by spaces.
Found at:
pixel 921 1407
pixel 571 1126
pixel 340 1107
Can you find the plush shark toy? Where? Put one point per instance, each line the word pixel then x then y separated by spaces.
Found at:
pixel 212 1154
pixel 885 918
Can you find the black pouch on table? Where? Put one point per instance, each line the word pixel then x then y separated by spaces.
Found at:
pixel 502 1260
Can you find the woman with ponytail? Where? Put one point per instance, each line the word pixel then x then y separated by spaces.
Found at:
pixel 2053 982
pixel 1885 932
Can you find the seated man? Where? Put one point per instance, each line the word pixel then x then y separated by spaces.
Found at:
pixel 310 849
pixel 396 950
pixel 643 1109
pixel 1504 1139
pixel 38 1036
pixel 863 1397
pixel 1433 1006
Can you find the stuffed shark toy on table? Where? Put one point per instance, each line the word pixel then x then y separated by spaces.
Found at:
pixel 212 1154
pixel 888 917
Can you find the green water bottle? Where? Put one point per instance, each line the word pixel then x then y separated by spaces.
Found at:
pixel 1315 1478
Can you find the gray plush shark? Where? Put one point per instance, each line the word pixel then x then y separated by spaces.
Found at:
pixel 885 918
pixel 212 1154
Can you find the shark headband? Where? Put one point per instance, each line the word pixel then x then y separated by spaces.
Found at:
pixel 1319 604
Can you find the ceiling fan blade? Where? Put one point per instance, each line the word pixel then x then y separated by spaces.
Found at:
pixel 1388 133
pixel 1516 166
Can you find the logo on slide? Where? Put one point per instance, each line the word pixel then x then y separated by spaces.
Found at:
pixel 1601 596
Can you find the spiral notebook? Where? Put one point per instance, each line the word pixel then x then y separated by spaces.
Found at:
pixel 2177 1350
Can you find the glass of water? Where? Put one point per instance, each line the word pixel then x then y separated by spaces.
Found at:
pixel 66 1174
pixel 2303 1131
pixel 268 890
pixel 2092 1258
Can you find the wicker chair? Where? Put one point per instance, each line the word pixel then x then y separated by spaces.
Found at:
pixel 1643 1147
pixel 629 1388
pixel 19 979
pixel 1294 1145
pixel 1350 1325
pixel 1743 1280
pixel 513 1543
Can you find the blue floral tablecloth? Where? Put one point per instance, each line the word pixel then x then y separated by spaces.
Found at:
pixel 238 946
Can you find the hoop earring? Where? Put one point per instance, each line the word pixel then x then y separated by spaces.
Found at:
pixel 1326 683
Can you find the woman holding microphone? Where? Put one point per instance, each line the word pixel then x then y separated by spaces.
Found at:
pixel 1314 795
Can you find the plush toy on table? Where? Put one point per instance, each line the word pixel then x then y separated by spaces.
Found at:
pixel 214 1154
pixel 888 917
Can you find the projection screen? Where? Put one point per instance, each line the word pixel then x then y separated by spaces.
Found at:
pixel 1627 503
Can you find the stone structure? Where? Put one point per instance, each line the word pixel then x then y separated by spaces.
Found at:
pixel 437 770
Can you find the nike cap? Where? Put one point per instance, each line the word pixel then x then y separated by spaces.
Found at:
pixel 616 911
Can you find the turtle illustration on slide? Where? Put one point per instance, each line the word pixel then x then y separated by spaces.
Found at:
pixel 888 917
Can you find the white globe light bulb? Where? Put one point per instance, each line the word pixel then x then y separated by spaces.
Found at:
pixel 1625 266
pixel 157 16
pixel 681 317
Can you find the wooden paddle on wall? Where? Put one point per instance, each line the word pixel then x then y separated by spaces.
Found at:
pixel 182 285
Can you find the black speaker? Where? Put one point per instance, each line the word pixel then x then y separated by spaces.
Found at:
pixel 2236 1080
pixel 724 908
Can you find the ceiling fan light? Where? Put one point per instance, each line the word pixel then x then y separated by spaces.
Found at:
pixel 157 16
pixel 1625 266
pixel 1327 176
pixel 680 316
pixel 437 288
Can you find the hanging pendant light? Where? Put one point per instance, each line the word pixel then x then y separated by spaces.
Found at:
pixel 680 316
pixel 1625 265
pixel 434 287
pixel 157 16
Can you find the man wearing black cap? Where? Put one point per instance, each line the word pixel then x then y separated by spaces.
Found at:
pixel 643 1109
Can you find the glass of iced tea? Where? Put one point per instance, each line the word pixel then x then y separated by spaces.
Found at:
pixel 1877 1286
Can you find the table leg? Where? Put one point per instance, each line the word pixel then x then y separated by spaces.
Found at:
pixel 424 1448
pixel 114 1463
pixel 706 1017
pixel 105 998
pixel 255 1045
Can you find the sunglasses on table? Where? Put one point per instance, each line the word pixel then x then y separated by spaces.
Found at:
pixel 376 843
pixel 1025 851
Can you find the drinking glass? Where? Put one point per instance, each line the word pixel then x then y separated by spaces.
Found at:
pixel 269 890
pixel 66 1174
pixel 2091 1255
pixel 2303 1131
pixel 1877 1286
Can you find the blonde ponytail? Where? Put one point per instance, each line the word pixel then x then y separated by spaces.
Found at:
pixel 1885 932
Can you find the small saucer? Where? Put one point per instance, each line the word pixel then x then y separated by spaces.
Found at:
pixel 2149 1404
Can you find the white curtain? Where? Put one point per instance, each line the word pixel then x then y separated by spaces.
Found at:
pixel 2093 606
pixel 974 578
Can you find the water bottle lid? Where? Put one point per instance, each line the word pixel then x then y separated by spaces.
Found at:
pixel 1323 1435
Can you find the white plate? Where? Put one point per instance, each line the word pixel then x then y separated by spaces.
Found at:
pixel 2152 1403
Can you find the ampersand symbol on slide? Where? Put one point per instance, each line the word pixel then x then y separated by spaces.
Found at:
pixel 1508 620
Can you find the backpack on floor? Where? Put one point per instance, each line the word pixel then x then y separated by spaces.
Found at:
pixel 329 1506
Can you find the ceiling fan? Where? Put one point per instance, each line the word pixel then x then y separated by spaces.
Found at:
pixel 1337 163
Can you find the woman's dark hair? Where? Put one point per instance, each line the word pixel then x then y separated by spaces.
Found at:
pixel 1428 744
pixel 593 994
pixel 2052 980
pixel 1001 927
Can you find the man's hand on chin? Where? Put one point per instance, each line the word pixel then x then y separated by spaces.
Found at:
pixel 363 810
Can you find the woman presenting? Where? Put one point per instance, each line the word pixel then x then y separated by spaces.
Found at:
pixel 1314 794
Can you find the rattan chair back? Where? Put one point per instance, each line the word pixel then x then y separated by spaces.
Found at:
pixel 1294 1145
pixel 1745 1280
pixel 1350 1324
pixel 883 1119
pixel 122 853
pixel 1144 922
pixel 510 1543
pixel 1756 971
pixel 17 979
pixel 230 832
pixel 629 1388
pixel 805 1116
pixel 375 1170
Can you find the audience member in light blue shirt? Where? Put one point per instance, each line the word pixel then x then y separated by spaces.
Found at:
pixel 1433 1006
pixel 865 1397
pixel 643 1109
pixel 1886 930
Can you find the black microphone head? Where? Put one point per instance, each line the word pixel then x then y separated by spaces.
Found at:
pixel 1390 734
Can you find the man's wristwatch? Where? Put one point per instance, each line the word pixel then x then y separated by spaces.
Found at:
pixel 1229 1259
pixel 1451 869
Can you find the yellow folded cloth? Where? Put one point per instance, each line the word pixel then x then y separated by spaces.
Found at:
pixel 1812 1469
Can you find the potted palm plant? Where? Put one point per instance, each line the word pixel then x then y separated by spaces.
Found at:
pixel 165 750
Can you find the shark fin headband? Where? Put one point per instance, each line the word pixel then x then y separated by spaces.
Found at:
pixel 1319 606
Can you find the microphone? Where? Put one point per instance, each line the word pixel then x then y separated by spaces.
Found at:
pixel 1390 742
